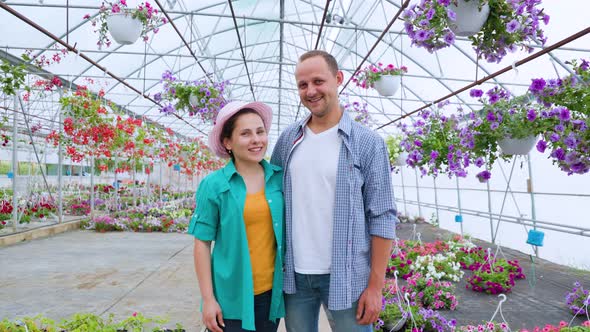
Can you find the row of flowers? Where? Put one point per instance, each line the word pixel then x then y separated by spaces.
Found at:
pixel 553 116
pixel 431 270
pixel 90 322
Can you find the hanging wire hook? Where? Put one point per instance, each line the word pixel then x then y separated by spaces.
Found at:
pixel 499 309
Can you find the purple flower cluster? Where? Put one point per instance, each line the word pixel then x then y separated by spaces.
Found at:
pixel 567 134
pixel 518 23
pixel 578 300
pixel 201 98
pixel 434 146
pixel 495 276
pixel 360 108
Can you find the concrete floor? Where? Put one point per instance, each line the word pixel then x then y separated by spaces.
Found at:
pixel 120 273
pixel 152 273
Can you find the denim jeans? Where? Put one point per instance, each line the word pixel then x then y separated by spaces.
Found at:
pixel 303 307
pixel 261 312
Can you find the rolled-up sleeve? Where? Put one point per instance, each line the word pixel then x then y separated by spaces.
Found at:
pixel 205 219
pixel 380 207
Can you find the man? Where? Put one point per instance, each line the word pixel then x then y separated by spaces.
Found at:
pixel 340 214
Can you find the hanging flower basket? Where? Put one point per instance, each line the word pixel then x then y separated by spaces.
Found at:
pixel 387 85
pixel 124 28
pixel 395 326
pixel 470 19
pixel 514 146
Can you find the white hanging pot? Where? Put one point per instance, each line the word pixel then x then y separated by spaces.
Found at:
pixel 515 146
pixel 401 159
pixel 469 18
pixel 194 100
pixel 387 85
pixel 124 29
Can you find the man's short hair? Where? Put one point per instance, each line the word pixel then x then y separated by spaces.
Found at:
pixel 330 60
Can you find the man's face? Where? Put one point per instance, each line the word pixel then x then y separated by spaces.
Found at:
pixel 318 86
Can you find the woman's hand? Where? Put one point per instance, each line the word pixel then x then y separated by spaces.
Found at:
pixel 212 316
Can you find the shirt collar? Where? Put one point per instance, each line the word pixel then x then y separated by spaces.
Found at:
pixel 269 169
pixel 344 125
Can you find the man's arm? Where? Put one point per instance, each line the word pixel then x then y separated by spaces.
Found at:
pixel 381 219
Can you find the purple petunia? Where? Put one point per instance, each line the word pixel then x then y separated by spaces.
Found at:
pixel 564 114
pixel 491 116
pixel 479 162
pixel 537 85
pixel 531 115
pixel 554 137
pixel 422 35
pixel 512 26
pixel 484 176
pixel 475 93
pixel 541 146
pixel 450 38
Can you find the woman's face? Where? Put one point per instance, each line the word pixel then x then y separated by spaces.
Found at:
pixel 249 139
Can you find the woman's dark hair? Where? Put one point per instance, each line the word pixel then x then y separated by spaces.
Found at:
pixel 230 124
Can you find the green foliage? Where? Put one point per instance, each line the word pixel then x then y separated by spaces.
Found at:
pixel 13 77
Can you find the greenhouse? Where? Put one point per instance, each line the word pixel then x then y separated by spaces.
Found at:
pixel 451 195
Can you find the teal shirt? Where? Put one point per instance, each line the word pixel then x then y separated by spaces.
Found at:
pixel 219 217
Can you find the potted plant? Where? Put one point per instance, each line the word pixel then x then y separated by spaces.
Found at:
pixel 357 108
pixel 392 317
pixel 201 97
pixel 509 25
pixel 434 145
pixel 385 79
pixel 577 300
pixel 567 112
pixel 397 156
pixel 125 24
pixel 431 293
pixel 513 124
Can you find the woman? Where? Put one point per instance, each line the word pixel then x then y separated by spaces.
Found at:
pixel 240 208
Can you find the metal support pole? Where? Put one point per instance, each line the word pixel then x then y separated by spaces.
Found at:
pixel 403 191
pixel 116 185
pixel 92 186
pixel 14 166
pixel 436 201
pixel 60 161
pixel 134 186
pixel 161 184
pixel 459 203
pixel 490 213
pixel 530 190
pixel 418 193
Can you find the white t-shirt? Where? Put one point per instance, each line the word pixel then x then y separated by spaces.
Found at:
pixel 313 167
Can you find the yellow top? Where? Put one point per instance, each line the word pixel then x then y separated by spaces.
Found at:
pixel 261 241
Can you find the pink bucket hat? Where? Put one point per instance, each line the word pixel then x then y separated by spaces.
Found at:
pixel 227 112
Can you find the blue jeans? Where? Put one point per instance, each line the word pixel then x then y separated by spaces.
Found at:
pixel 303 307
pixel 261 312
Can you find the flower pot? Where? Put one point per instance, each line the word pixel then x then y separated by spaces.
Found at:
pixel 387 85
pixel 469 18
pixel 124 29
pixel 194 100
pixel 392 327
pixel 401 159
pixel 514 146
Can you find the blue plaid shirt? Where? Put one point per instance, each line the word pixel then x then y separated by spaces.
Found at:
pixel 364 207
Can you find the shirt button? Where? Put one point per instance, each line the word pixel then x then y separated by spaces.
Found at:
pixel 270 200
pixel 276 225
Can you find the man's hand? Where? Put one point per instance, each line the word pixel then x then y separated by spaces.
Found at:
pixel 369 306
pixel 212 317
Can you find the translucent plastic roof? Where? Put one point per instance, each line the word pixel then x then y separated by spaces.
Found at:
pixel 273 34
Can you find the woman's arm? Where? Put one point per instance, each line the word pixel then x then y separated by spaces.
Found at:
pixel 212 316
